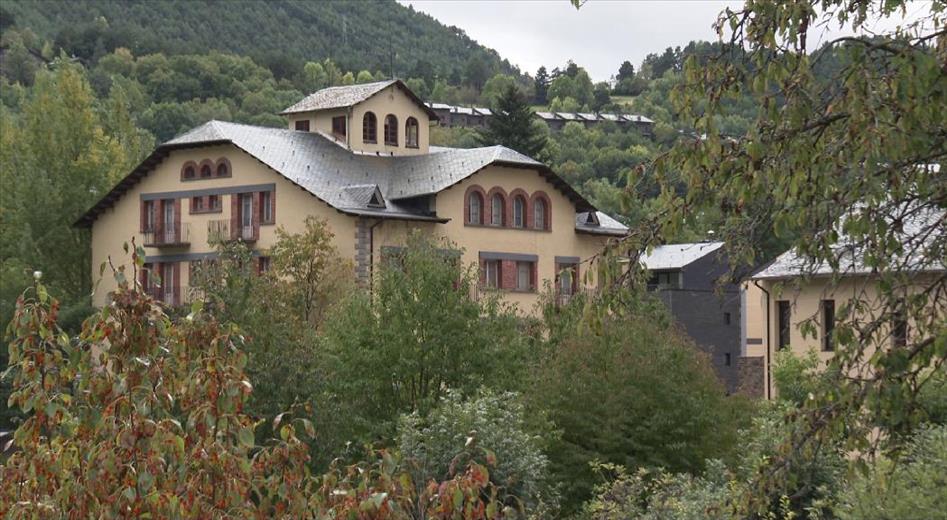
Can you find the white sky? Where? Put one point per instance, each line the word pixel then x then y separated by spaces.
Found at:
pixel 599 36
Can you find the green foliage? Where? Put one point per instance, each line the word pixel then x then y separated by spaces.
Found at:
pixel 141 416
pixel 911 488
pixel 490 421
pixel 799 379
pixel 513 124
pixel 393 352
pixel 349 33
pixel 659 495
pixel 629 391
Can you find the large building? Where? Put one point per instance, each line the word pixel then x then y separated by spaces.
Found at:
pixel 360 158
pixel 478 117
pixel 786 296
pixel 687 279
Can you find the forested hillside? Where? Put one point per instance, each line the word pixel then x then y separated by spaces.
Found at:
pixel 379 35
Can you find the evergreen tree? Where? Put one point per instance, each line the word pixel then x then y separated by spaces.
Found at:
pixel 625 71
pixel 512 125
pixel 541 85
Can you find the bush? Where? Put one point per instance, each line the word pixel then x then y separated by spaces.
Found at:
pixel 490 421
pixel 908 489
pixel 631 392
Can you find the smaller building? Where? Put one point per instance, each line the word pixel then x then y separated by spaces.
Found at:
pixel 686 278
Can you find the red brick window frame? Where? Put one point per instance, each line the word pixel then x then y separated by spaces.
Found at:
pixel 509 271
pixel 540 206
pixel 497 206
pixel 189 171
pixel 369 128
pixel 223 168
pixel 206 170
pixel 521 219
pixel 474 193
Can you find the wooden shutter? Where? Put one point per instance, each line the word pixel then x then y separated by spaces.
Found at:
pixel 177 282
pixel 177 220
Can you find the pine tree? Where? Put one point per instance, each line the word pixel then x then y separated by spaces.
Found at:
pixel 512 125
pixel 541 85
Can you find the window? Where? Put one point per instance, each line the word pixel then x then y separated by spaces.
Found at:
pixel 491 273
pixel 263 265
pixel 411 133
pixel 188 172
pixel 338 125
pixel 369 128
pixel 168 283
pixel 899 327
pixel 148 216
pixel 213 203
pixel 567 282
pixel 223 170
pixel 302 125
pixel 266 200
pixel 475 209
pixel 726 318
pixel 665 280
pixel 539 214
pixel 170 226
pixel 197 204
pixel 391 130
pixel 828 325
pixel 246 216
pixel 496 209
pixel 524 276
pixel 519 212
pixel 726 359
pixel 782 323
pixel 206 171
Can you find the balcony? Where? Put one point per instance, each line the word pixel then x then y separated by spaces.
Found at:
pixel 175 296
pixel 220 231
pixel 172 236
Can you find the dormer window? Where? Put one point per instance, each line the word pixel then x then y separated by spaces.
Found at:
pixel 369 128
pixel 391 130
pixel 411 133
pixel 376 200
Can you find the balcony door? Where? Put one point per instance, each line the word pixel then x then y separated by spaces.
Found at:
pixel 169 222
pixel 246 216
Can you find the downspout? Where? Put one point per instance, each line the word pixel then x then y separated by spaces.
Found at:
pixel 769 368
pixel 348 131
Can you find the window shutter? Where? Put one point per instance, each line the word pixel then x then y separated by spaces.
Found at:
pixel 143 223
pixel 258 208
pixel 234 216
pixel 273 206
pixel 158 206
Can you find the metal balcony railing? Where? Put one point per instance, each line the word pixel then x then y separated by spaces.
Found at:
pixel 173 235
pixel 220 231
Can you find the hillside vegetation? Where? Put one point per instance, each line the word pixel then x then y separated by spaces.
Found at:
pixel 374 35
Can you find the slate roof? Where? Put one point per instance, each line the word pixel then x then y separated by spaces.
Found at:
pixel 346 180
pixel 676 256
pixel 348 95
pixel 606 224
pixel 923 249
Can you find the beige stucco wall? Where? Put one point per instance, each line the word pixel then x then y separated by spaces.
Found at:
pixel 119 224
pixel 561 240
pixel 391 100
pixel 804 302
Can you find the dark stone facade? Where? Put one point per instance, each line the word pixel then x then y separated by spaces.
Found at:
pixel 708 314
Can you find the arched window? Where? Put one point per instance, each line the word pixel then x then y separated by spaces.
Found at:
pixel 206 171
pixel 411 133
pixel 496 210
pixel 369 128
pixel 391 130
pixel 223 170
pixel 519 211
pixel 539 214
pixel 475 209
pixel 189 172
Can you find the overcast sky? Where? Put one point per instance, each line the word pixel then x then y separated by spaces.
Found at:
pixel 599 36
